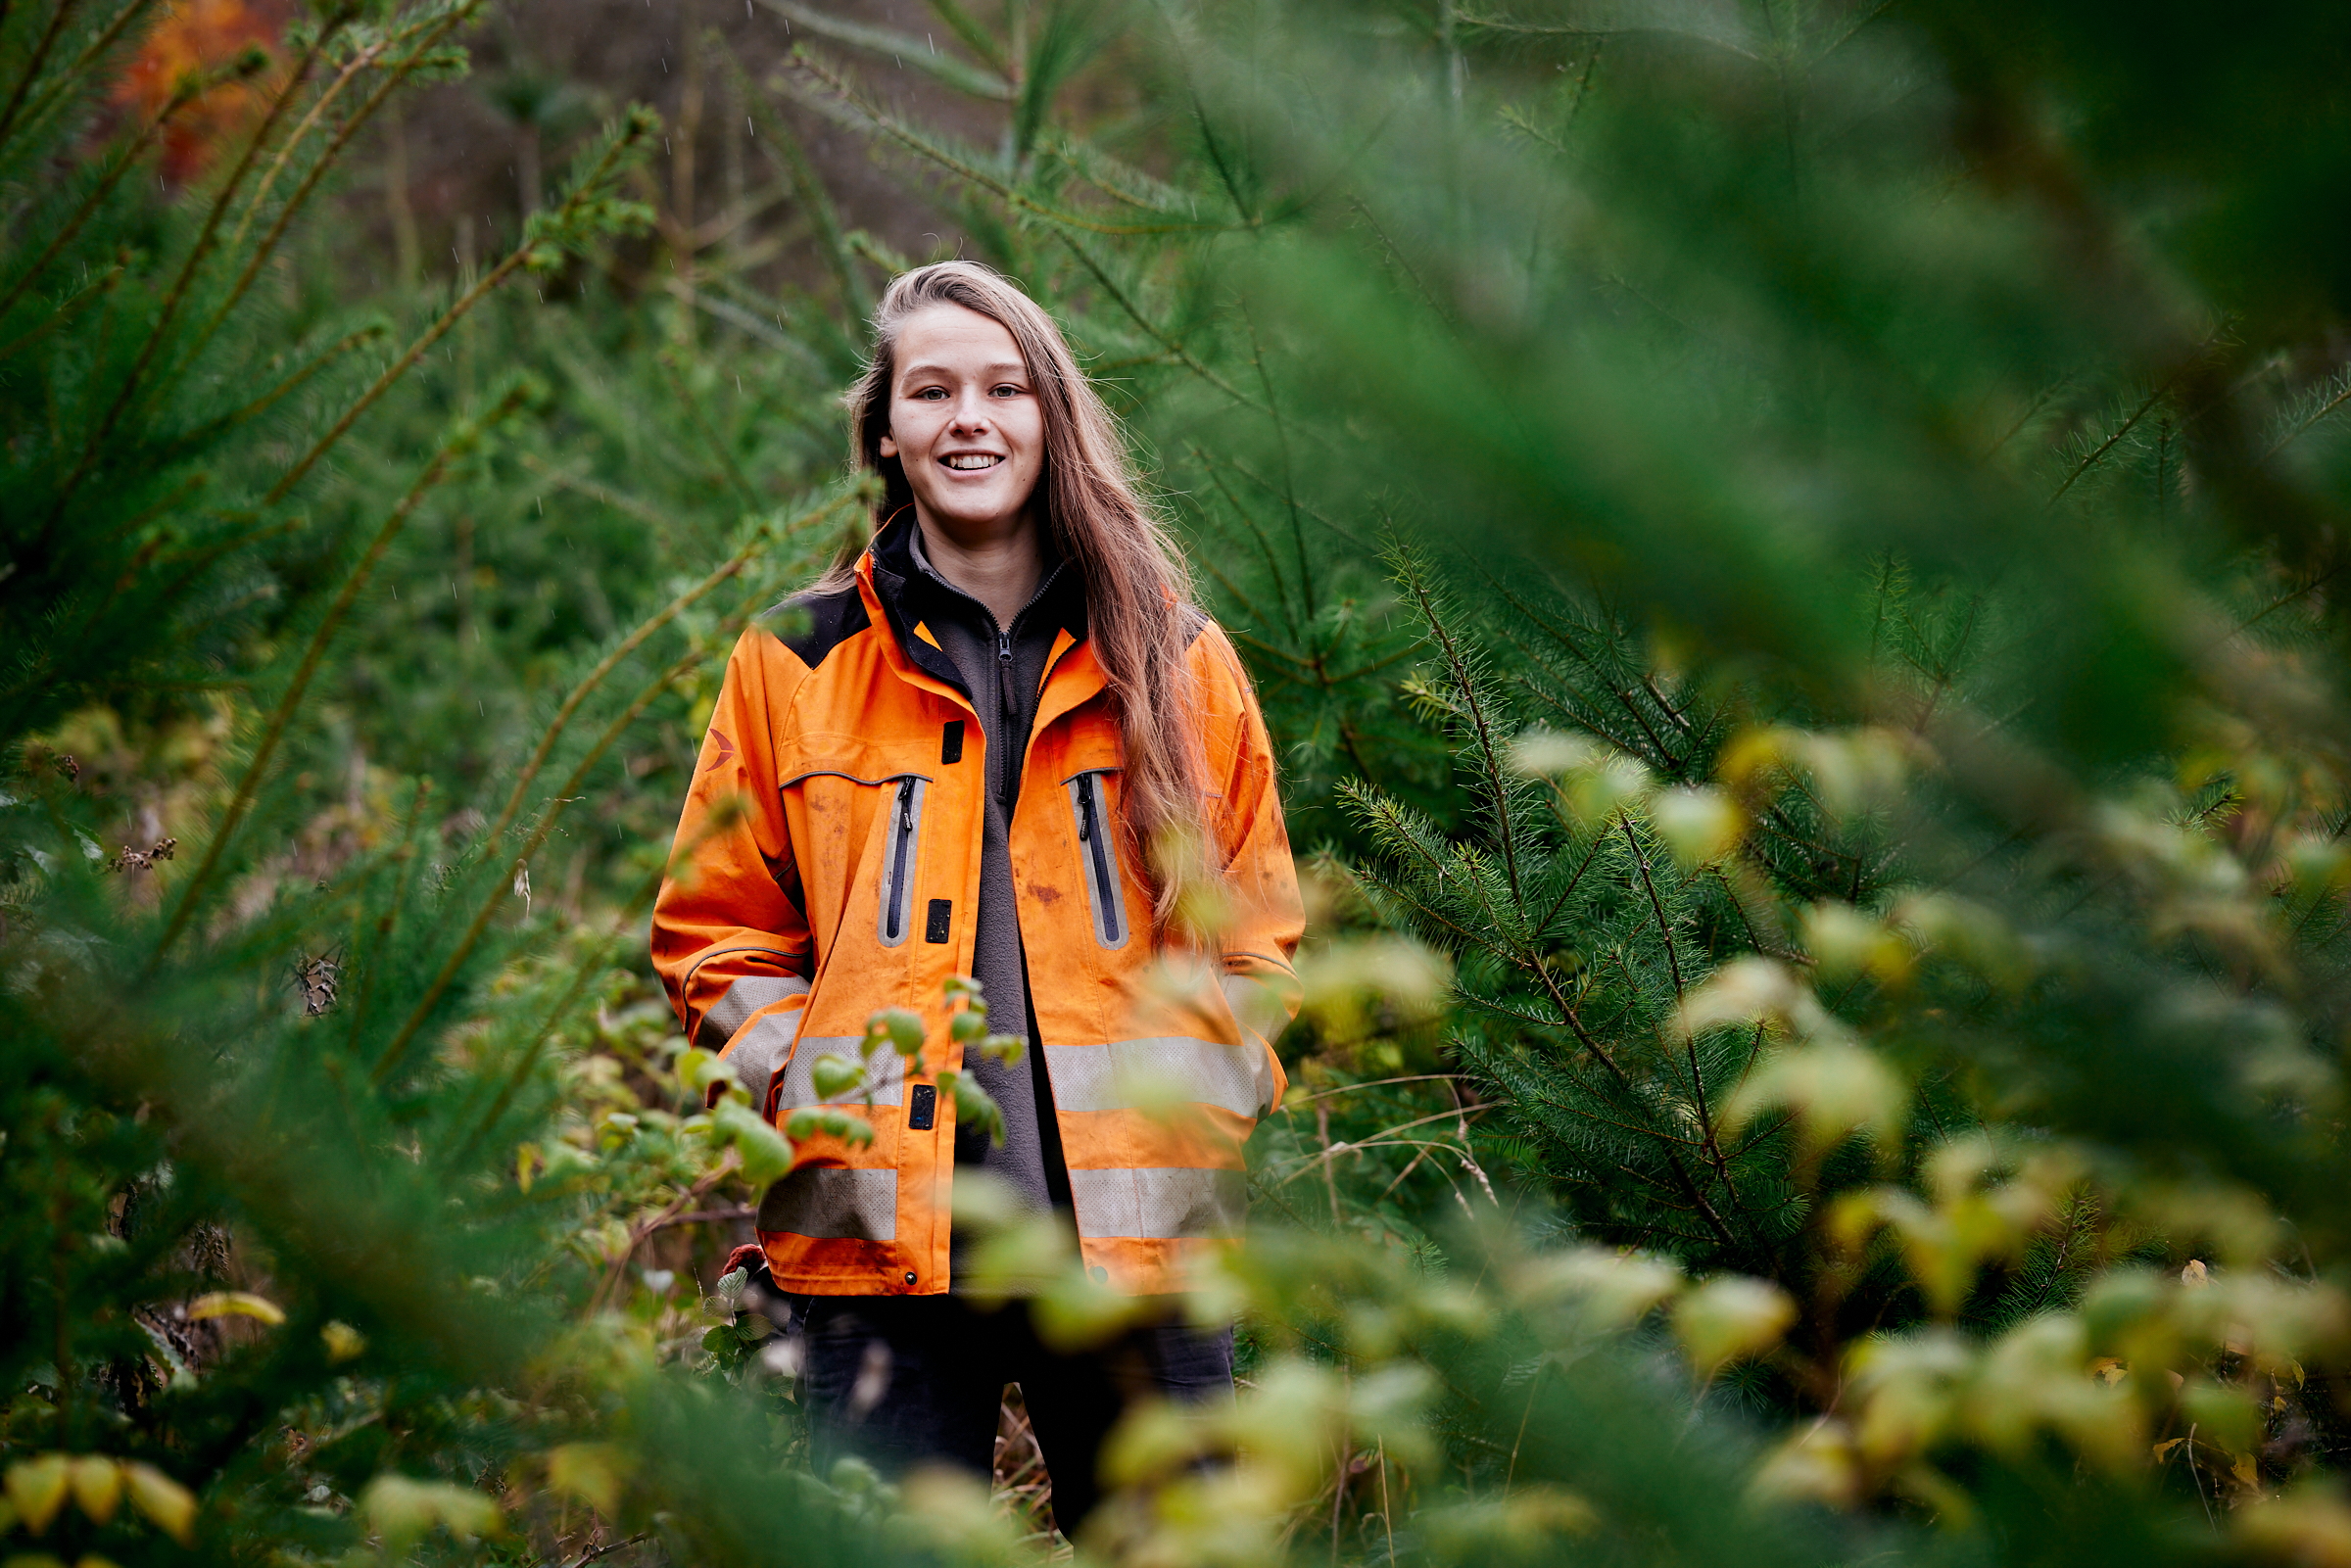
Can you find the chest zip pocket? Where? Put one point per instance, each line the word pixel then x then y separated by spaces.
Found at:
pixel 1097 846
pixel 898 860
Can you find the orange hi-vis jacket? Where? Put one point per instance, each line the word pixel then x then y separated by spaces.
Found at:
pixel 827 865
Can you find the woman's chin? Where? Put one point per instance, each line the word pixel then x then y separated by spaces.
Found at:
pixel 972 516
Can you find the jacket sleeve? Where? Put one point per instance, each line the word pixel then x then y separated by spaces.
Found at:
pixel 1263 916
pixel 731 939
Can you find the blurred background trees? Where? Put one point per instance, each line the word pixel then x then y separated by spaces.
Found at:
pixel 1788 550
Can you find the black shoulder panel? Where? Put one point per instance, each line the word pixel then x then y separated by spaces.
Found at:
pixel 832 620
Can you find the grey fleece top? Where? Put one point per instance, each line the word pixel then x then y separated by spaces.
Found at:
pixel 1003 671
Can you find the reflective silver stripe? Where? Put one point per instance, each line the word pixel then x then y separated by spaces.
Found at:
pixel 1158 1202
pixel 894 915
pixel 1118 1076
pixel 827 1201
pixel 1098 855
pixel 760 1050
pixel 746 996
pixel 886 1072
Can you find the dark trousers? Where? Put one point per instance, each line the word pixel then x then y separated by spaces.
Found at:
pixel 907 1380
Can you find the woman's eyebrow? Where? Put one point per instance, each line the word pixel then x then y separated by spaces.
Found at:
pixel 1011 368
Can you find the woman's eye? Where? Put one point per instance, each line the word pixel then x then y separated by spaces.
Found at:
pixel 932 394
pixel 1008 391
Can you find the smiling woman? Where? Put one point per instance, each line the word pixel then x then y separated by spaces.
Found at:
pixel 1019 617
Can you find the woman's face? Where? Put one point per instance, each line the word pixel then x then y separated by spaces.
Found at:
pixel 964 423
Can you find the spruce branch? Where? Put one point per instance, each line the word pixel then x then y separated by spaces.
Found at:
pixel 668 360
pixel 434 31
pixel 589 210
pixel 126 158
pixel 2294 431
pixel 1411 576
pixel 65 312
pixel 783 150
pixel 2098 453
pixel 990 83
pixel 293 382
pixel 198 254
pixel 56 93
pixel 840 100
pixel 462 440
pixel 501 887
pixel 1264 545
pixel 361 59
pixel 763 538
pixel 1289 487
pixel 1516 27
pixel 974 37
pixel 38 59
pixel 387 924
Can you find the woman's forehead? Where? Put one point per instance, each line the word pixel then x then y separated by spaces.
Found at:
pixel 954 337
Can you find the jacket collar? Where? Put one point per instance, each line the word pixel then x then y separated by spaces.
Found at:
pixel 900 594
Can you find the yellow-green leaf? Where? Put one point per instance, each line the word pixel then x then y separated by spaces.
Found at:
pixel 1700 825
pixel 1731 1317
pixel 170 1506
pixel 36 1489
pixel 589 1471
pixel 402 1510
pixel 902 1029
pixel 835 1075
pixel 236 1304
pixel 97 1486
pixel 343 1341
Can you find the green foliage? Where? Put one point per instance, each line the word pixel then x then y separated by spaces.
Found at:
pixel 1788 554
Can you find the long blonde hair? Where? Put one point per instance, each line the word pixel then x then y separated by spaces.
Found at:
pixel 1140 611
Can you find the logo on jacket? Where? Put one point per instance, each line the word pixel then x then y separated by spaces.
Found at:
pixel 726 749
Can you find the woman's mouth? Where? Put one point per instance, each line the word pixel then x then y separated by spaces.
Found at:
pixel 970 461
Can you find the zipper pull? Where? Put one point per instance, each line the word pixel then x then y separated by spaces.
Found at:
pixel 906 806
pixel 1006 704
pixel 1086 817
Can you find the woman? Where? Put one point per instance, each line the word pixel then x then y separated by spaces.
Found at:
pixel 1002 742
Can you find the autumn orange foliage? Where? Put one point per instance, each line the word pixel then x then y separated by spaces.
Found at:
pixel 195 37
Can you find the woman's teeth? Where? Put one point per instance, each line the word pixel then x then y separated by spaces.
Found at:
pixel 973 461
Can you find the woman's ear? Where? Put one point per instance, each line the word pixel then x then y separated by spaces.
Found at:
pixel 889 446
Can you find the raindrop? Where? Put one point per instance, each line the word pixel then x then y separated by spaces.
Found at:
pixel 932 42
